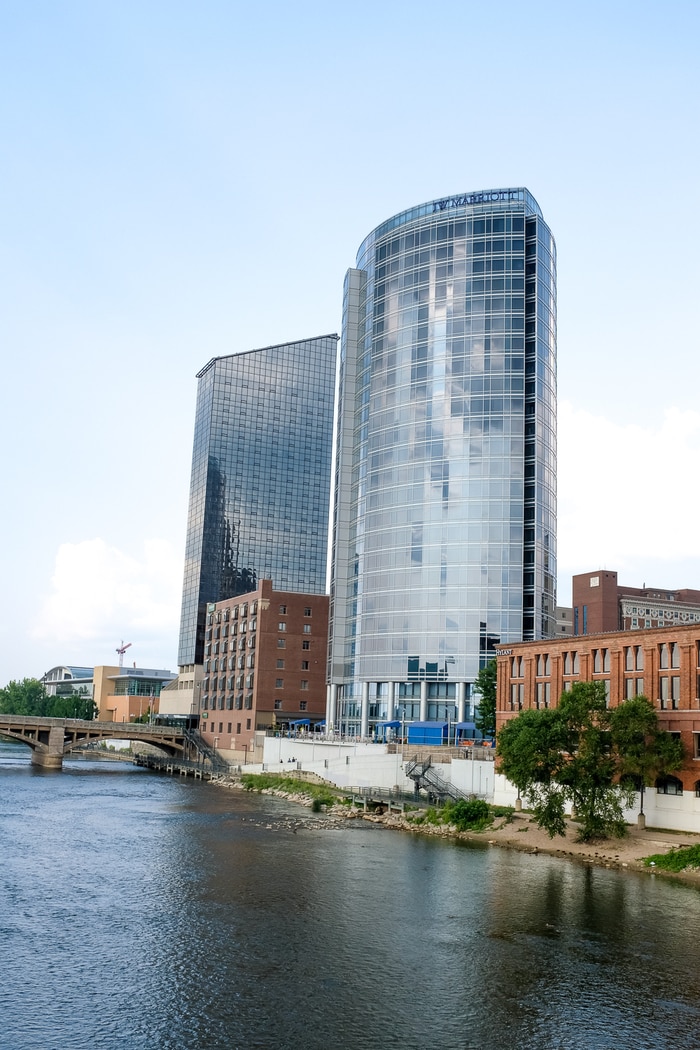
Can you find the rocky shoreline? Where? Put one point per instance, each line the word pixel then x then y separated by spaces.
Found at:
pixel 520 832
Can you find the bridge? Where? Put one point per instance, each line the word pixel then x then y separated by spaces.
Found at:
pixel 52 738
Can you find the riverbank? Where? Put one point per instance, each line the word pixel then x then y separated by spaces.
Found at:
pixel 520 832
pixel 628 853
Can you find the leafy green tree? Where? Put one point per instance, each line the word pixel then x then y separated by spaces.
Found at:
pixel 531 748
pixel 74 705
pixel 590 775
pixel 27 697
pixel 565 755
pixel 485 686
pixel 643 751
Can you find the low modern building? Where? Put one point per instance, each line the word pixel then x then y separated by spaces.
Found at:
pixel 65 680
pixel 662 664
pixel 264 667
pixel 600 603
pixel 123 694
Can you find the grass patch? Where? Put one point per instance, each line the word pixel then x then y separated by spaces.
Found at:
pixel 676 860
pixel 320 793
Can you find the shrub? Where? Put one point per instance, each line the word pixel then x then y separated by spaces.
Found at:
pixel 469 814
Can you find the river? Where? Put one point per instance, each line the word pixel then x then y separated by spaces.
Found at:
pixel 142 911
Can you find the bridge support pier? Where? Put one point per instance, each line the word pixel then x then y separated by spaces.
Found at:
pixel 50 756
pixel 46 760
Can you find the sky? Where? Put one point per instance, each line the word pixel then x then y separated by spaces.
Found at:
pixel 182 181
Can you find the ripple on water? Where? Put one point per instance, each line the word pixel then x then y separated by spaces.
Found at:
pixel 141 911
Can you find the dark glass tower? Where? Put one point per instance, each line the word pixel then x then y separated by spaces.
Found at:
pixel 445 517
pixel 261 469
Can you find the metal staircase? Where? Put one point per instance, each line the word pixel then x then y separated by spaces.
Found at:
pixel 426 777
pixel 205 753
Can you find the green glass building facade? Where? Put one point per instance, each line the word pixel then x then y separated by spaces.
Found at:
pixel 261 469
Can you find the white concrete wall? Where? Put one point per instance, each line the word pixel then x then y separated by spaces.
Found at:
pixel 675 812
pixel 471 776
pixel 369 765
pixel 346 765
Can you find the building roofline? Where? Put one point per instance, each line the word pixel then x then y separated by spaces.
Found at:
pixel 459 204
pixel 572 639
pixel 259 349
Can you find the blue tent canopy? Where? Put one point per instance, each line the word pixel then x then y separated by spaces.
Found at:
pixel 465 725
pixel 388 725
pixel 301 722
pixel 427 733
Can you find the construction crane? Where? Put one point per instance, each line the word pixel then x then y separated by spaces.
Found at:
pixel 121 650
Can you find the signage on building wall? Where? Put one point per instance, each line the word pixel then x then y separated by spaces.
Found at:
pixel 476 198
pixel 504 652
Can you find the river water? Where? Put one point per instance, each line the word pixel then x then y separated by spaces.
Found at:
pixel 140 911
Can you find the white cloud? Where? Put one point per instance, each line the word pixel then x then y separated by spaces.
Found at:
pixel 627 494
pixel 102 594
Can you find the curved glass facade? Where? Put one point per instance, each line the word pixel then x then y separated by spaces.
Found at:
pixel 261 464
pixel 444 542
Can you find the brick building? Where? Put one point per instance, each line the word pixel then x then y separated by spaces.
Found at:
pixel 662 664
pixel 601 604
pixel 264 666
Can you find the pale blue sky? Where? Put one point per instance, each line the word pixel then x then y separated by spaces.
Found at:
pixel 186 180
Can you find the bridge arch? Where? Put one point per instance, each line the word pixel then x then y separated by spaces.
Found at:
pixel 51 738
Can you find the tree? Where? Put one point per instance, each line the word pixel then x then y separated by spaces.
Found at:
pixel 531 749
pixel 590 774
pixel 565 755
pixel 485 686
pixel 27 697
pixel 73 705
pixel 643 751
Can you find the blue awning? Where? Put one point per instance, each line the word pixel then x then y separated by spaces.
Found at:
pixel 465 725
pixel 301 722
pixel 388 725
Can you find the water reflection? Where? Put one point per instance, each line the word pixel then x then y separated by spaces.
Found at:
pixel 145 912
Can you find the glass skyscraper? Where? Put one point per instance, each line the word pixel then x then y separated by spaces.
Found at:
pixel 261 470
pixel 444 538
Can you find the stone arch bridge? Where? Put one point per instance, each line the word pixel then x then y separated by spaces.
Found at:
pixel 52 738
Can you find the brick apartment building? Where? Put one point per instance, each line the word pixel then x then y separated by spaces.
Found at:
pixel 601 604
pixel 264 666
pixel 662 664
